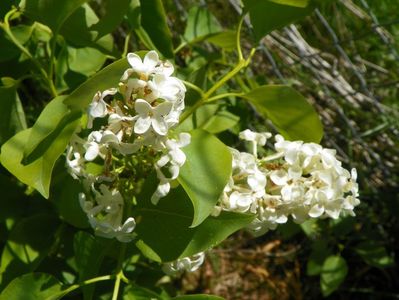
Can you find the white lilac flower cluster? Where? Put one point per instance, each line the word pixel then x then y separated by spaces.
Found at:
pixel 188 264
pixel 131 119
pixel 301 180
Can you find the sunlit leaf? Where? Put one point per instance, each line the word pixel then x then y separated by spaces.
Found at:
pixel 333 273
pixel 200 24
pixel 48 145
pixel 289 111
pixel 104 79
pixel 268 15
pixel 53 13
pixel 164 231
pixel 113 16
pixel 205 172
pixel 33 286
pixel 153 20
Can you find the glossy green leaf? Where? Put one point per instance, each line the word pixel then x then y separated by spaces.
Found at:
pixel 205 173
pixel 115 10
pixel 333 273
pixel 86 61
pixel 225 39
pixel 12 115
pixel 65 196
pixel 317 257
pixel 153 20
pixel 52 120
pixel 164 232
pixel 374 253
pixel 77 30
pixel 289 111
pixel 104 79
pixel 200 24
pixel 89 254
pixel 268 15
pixel 221 121
pixel 37 172
pixel 53 13
pixel 33 286
pixel 28 243
pixel 8 50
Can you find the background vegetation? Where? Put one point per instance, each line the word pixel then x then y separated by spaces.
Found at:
pixel 343 57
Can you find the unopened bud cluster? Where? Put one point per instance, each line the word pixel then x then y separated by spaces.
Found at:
pixel 301 180
pixel 128 126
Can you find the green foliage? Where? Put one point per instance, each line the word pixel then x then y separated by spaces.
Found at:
pixel 55 52
pixel 268 15
pixel 165 230
pixel 289 111
pixel 333 273
pixel 52 13
pixel 374 254
pixel 11 112
pixel 153 20
pixel 205 155
pixel 33 286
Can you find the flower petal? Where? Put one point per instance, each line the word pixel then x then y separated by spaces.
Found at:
pixel 159 125
pixel 142 125
pixel 142 107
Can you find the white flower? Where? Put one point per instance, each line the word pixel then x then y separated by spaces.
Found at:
pixel 146 66
pixel 105 214
pixel 174 158
pixel 168 88
pixel 251 136
pixel 149 116
pixel 98 107
pixel 189 264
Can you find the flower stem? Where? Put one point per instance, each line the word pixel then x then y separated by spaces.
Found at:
pixel 119 275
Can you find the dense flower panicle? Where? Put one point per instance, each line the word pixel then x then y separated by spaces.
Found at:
pixel 301 180
pixel 188 264
pixel 133 118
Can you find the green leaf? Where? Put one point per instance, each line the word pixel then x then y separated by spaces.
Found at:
pixel 200 24
pixel 139 293
pixel 289 111
pixel 50 142
pixel 225 39
pixel 52 13
pixel 205 173
pixel 153 20
pixel 89 254
pixel 28 243
pixel 198 297
pixel 114 13
pixel 105 79
pixel 33 286
pixel 77 31
pixel 86 61
pixel 65 196
pixel 164 232
pixel 211 118
pixel 221 121
pixel 268 15
pixel 52 120
pixel 8 50
pixel 317 257
pixel 12 115
pixel 333 273
pixel 374 253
